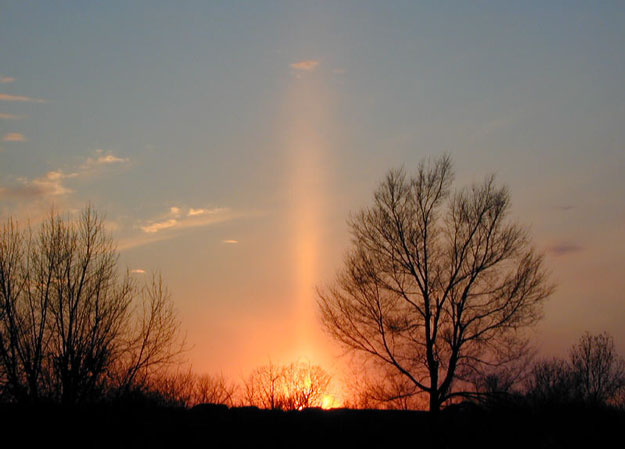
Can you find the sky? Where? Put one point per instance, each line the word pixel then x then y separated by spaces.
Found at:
pixel 227 143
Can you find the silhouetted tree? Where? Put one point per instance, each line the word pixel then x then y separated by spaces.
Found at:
pixel 438 286
pixel 551 382
pixel 292 387
pixel 594 374
pixel 598 371
pixel 211 389
pixel 68 324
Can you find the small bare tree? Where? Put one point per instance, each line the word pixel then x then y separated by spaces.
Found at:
pixel 214 389
pixel 292 387
pixel 439 286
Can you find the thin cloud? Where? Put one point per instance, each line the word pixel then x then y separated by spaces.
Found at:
pixel 563 249
pixel 50 184
pixel 11 116
pixel 137 271
pixel 103 159
pixel 14 137
pixel 307 65
pixel 6 79
pixel 193 212
pixel 53 183
pixel 194 218
pixel 160 225
pixel 167 228
pixel 7 97
pixel 230 241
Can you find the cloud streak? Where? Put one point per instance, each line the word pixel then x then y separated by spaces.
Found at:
pixel 11 116
pixel 14 137
pixel 50 184
pixel 103 159
pixel 20 98
pixel 53 183
pixel 174 222
pixel 307 65
pixel 6 79
pixel 192 219
pixel 563 249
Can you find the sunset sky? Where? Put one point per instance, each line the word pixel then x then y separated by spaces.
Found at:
pixel 227 143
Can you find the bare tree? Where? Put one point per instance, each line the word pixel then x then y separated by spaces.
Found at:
pixel 263 387
pixel 598 371
pixel 152 342
pixel 304 385
pixel 292 387
pixel 438 286
pixel 67 316
pixel 214 389
pixel 551 382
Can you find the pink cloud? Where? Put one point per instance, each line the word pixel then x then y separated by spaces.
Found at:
pixel 14 137
pixel 306 65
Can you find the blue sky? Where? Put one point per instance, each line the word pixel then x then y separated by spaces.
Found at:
pixel 227 143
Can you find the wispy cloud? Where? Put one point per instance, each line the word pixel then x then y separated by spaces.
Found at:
pixel 11 116
pixel 6 79
pixel 174 222
pixel 194 212
pixel 230 241
pixel 193 218
pixel 103 158
pixel 563 249
pixel 137 271
pixel 14 137
pixel 160 225
pixel 7 97
pixel 52 183
pixel 307 65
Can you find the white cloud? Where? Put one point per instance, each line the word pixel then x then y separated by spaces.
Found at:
pixel 307 65
pixel 21 98
pixel 14 137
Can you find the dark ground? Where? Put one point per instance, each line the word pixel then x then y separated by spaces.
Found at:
pixel 124 426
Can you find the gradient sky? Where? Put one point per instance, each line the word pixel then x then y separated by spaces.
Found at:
pixel 228 142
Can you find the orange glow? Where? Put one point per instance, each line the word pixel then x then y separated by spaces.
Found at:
pixel 329 402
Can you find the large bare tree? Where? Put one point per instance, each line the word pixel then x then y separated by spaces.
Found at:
pixel 438 285
pixel 70 325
